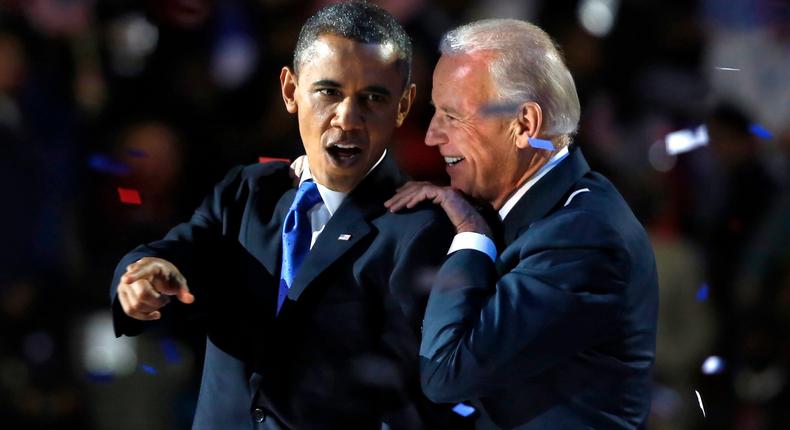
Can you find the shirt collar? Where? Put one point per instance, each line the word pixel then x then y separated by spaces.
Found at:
pixel 512 200
pixel 331 199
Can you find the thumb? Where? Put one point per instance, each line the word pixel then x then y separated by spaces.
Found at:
pixel 176 286
pixel 184 296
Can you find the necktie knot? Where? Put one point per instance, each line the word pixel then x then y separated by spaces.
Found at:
pixel 306 197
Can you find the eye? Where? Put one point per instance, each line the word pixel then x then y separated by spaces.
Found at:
pixel 374 98
pixel 328 92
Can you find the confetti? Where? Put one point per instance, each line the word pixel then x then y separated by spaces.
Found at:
pixel 129 196
pixel 760 131
pixel 148 369
pixel 541 144
pixel 170 350
pixel 713 365
pixel 686 140
pixel 507 109
pixel 106 164
pixel 100 377
pixel 728 69
pixel 703 292
pixel 271 159
pixel 699 398
pixel 136 153
pixel 463 409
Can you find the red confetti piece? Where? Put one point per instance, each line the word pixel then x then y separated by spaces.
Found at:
pixel 129 196
pixel 270 159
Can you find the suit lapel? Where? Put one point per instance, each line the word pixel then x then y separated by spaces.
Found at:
pixel 352 221
pixel 272 234
pixel 264 228
pixel 545 194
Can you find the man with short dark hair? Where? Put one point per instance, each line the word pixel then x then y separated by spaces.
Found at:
pixel 556 329
pixel 312 294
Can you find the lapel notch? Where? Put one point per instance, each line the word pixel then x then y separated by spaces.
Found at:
pixel 545 194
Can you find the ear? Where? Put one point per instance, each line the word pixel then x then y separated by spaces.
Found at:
pixel 288 88
pixel 404 106
pixel 528 124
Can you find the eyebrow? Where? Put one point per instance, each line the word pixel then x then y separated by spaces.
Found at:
pixel 377 89
pixel 447 109
pixel 326 83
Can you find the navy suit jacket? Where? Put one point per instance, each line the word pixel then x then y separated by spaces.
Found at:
pixel 560 332
pixel 343 351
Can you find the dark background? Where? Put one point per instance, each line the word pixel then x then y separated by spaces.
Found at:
pixel 164 96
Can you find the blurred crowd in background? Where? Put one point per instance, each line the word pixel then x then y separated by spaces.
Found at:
pixel 685 107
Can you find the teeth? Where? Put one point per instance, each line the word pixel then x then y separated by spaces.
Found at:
pixel 452 160
pixel 345 146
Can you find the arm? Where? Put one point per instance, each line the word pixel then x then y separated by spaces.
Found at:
pixel 483 331
pixel 149 269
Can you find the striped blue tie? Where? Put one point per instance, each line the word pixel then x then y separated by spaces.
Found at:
pixel 297 235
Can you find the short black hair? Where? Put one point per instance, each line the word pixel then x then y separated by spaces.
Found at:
pixel 359 21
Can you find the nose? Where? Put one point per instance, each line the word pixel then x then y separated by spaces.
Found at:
pixel 435 136
pixel 348 115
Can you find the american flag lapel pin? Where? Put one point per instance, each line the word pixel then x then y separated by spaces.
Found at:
pixel 344 237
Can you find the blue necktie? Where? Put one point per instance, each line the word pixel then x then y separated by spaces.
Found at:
pixel 297 235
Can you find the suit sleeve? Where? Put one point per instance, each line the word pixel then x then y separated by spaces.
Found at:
pixel 184 246
pixel 483 332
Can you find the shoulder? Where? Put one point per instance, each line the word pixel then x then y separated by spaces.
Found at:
pixel 591 211
pixel 593 215
pixel 422 214
pixel 254 172
pixel 252 176
pixel 424 219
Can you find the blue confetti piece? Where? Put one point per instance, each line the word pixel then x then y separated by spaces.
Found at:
pixel 136 153
pixel 170 350
pixel 100 377
pixel 105 164
pixel 760 131
pixel 702 293
pixel 463 409
pixel 148 369
pixel 506 109
pixel 541 144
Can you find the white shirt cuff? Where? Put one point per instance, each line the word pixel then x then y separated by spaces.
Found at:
pixel 471 240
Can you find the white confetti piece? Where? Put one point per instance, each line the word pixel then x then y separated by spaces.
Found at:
pixel 699 398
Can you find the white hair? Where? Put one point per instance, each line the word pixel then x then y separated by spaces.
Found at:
pixel 527 67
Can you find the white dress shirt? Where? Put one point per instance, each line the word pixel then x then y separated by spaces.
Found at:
pixel 330 201
pixel 483 243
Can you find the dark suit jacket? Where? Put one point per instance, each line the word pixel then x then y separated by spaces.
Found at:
pixel 343 352
pixel 560 332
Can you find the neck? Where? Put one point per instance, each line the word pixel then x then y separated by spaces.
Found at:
pixel 531 164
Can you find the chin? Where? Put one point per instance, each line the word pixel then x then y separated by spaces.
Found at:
pixel 461 185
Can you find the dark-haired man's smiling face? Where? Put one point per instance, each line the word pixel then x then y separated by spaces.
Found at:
pixel 349 98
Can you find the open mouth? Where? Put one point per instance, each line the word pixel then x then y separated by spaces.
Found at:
pixel 344 153
pixel 452 161
pixel 340 150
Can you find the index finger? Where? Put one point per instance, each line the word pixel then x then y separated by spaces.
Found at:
pixel 142 269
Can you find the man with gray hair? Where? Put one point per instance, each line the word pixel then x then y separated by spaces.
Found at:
pixel 555 328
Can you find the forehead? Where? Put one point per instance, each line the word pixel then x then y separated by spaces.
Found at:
pixel 462 77
pixel 339 58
